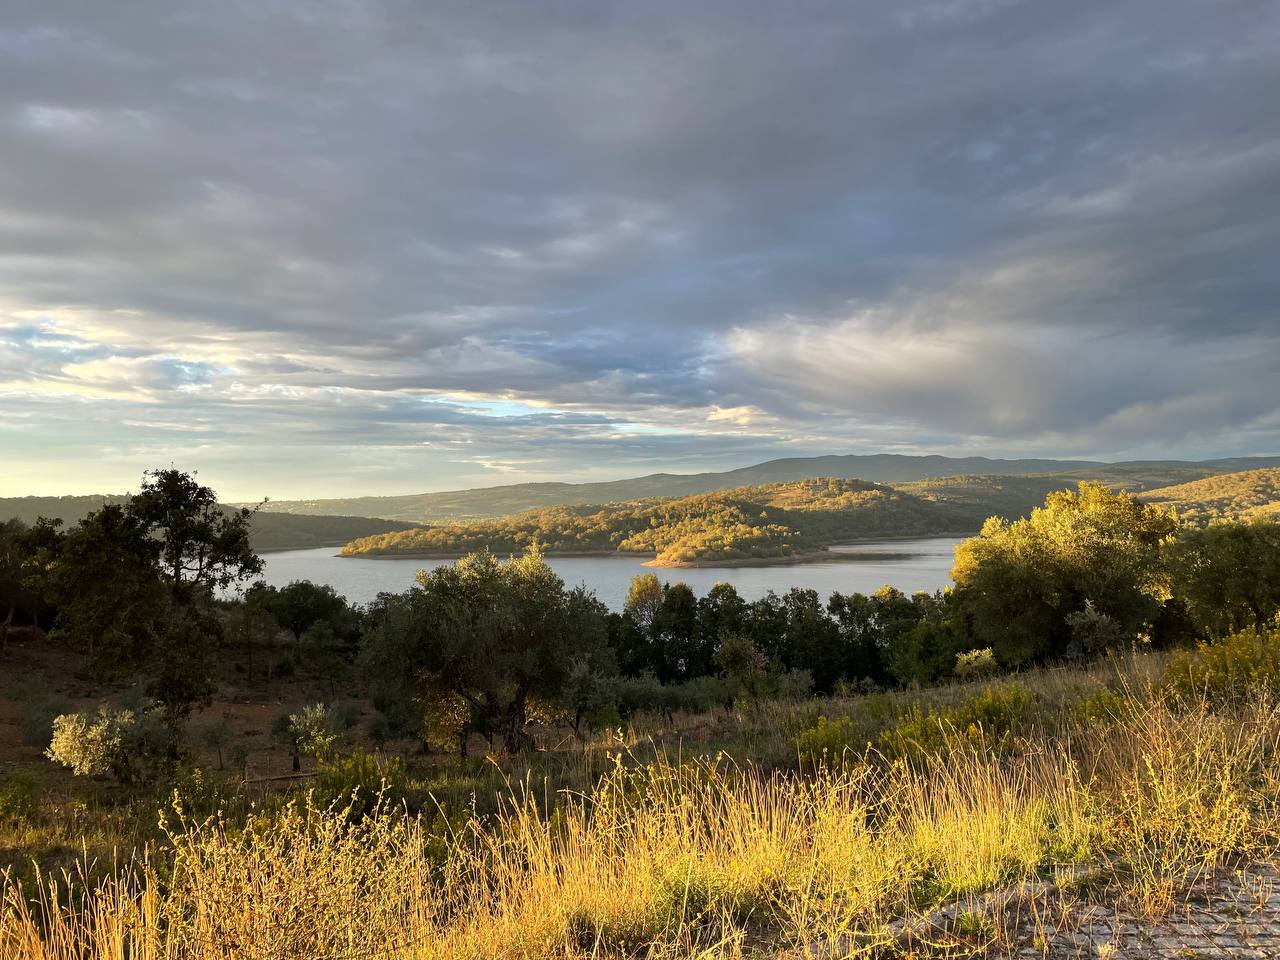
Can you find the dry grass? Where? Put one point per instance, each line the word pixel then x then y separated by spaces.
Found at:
pixel 704 858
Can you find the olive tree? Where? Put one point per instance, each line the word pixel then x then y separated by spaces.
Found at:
pixel 493 633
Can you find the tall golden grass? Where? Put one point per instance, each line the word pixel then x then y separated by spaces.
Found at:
pixel 705 858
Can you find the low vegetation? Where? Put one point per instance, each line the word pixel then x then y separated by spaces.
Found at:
pixel 1091 717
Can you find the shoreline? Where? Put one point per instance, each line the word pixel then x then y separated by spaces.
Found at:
pixel 817 555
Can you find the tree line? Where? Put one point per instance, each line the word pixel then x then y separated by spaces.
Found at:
pixel 164 587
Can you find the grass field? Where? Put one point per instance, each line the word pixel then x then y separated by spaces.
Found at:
pixel 815 828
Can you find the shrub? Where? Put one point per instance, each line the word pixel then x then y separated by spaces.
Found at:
pixel 1092 632
pixel 1103 706
pixel 346 716
pixel 36 722
pixel 828 738
pixel 988 720
pixel 134 746
pixel 360 781
pixel 315 730
pixel 976 664
pixel 19 798
pixel 1226 669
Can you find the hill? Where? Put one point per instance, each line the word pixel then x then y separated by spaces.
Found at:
pixel 270 530
pixel 488 502
pixel 766 522
pixel 1245 494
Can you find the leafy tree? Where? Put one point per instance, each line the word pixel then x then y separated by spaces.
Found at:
pixel 301 605
pixel 812 641
pixel 201 547
pixel 926 652
pixel 328 652
pixel 644 600
pixel 861 653
pixel 218 736
pixel 767 628
pixel 1227 575
pixel 25 554
pixel 591 694
pixel 1017 583
pixel 136 583
pixel 721 612
pixel 680 652
pixel 134 746
pixel 743 665
pixel 494 633
pixel 251 626
pixel 315 731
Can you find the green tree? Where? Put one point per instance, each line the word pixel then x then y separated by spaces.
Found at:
pixel 494 633
pixel 135 583
pixel 813 641
pixel 302 604
pixel 743 665
pixel 26 555
pixel 680 654
pixel 1228 575
pixel 1017 583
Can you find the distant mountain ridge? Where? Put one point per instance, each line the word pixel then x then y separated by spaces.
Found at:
pixel 885 468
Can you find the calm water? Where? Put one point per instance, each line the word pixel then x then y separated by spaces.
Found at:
pixel 909 565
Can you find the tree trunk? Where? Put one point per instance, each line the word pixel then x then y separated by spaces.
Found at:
pixel 4 628
pixel 514 737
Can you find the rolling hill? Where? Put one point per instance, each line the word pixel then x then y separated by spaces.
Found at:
pixel 1250 493
pixel 894 469
pixel 270 530
pixel 767 522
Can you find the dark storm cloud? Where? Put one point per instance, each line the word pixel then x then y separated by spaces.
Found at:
pixel 605 232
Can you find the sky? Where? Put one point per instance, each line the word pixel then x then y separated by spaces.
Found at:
pixel 329 248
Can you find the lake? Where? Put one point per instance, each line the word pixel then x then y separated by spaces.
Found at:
pixel 909 565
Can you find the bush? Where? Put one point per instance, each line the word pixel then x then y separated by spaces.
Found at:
pixel 315 731
pixel 832 736
pixel 134 746
pixel 1226 669
pixel 361 781
pixel 976 664
pixel 987 721
pixel 36 722
pixel 1103 706
pixel 19 798
pixel 828 738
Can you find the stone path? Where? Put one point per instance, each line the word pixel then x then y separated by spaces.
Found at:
pixel 1235 916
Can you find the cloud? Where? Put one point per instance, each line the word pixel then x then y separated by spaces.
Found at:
pixel 645 236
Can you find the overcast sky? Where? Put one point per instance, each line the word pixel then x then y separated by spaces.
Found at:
pixel 313 248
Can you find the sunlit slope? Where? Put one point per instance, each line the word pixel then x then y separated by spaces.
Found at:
pixel 772 521
pixel 1245 494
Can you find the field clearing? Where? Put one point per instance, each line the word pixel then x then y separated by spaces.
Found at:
pixel 652 841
